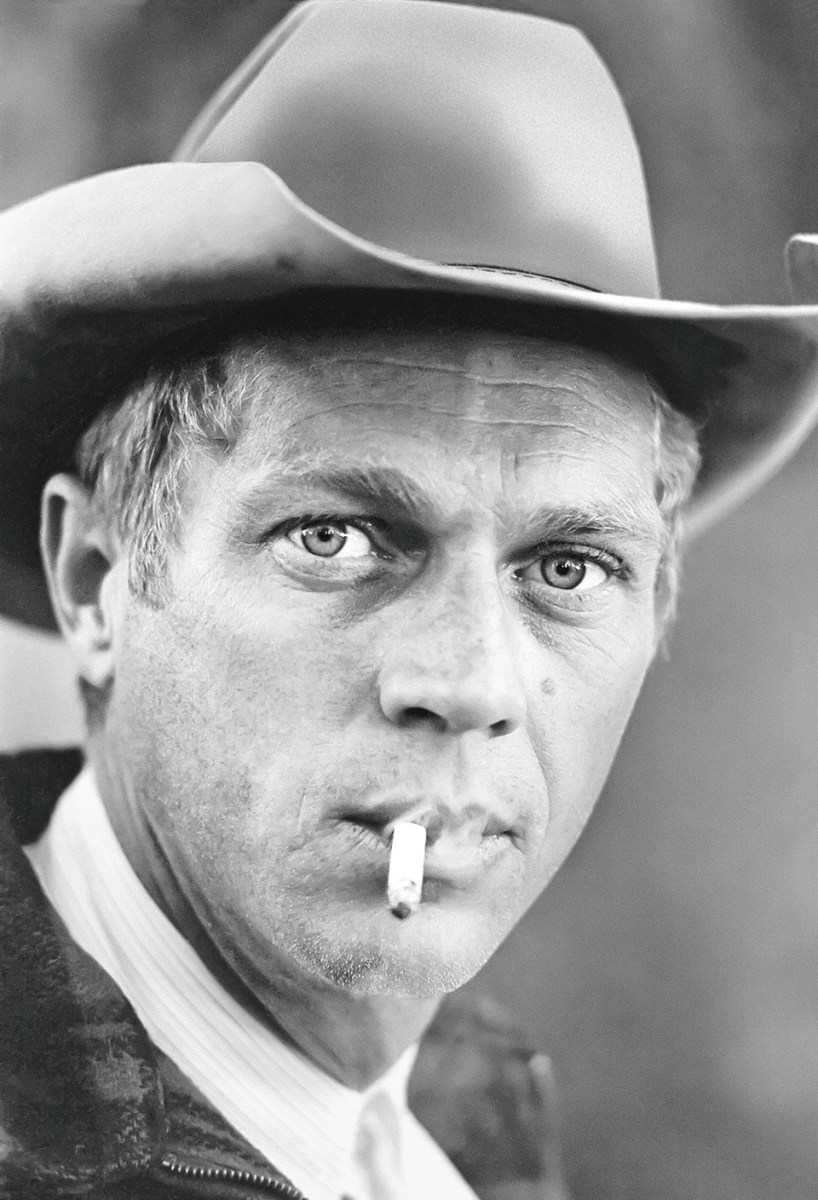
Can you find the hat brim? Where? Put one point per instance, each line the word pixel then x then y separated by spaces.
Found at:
pixel 95 274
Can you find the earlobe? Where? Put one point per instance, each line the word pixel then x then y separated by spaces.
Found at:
pixel 78 557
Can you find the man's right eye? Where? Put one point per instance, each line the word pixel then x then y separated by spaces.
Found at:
pixel 332 539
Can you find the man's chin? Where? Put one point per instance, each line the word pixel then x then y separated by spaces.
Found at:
pixel 418 961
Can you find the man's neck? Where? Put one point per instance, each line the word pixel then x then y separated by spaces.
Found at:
pixel 354 1037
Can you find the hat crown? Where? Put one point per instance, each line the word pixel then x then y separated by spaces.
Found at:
pixel 448 133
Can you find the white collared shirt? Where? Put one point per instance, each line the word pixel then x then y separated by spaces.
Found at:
pixel 302 1120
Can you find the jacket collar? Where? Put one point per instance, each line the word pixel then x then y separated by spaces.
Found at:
pixel 79 1085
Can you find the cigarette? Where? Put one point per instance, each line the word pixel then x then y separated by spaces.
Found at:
pixel 405 880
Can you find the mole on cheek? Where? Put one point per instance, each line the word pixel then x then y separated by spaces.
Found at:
pixel 548 687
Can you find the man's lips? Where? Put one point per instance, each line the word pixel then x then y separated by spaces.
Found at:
pixel 462 863
pixel 463 839
pixel 466 823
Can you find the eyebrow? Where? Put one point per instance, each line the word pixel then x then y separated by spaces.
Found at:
pixel 616 518
pixel 385 488
pixel 390 491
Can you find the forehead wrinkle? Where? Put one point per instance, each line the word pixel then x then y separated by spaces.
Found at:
pixel 404 380
pixel 589 372
pixel 585 382
pixel 563 454
pixel 285 443
pixel 599 435
pixel 582 373
pixel 461 372
pixel 280 424
pixel 623 419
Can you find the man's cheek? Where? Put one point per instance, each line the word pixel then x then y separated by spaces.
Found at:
pixel 284 654
pixel 575 734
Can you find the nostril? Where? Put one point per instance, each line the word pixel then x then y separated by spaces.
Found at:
pixel 500 728
pixel 453 706
pixel 415 714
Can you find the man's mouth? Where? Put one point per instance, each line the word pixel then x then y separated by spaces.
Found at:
pixel 464 823
pixel 462 839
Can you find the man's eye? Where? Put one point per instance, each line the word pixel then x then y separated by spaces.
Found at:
pixel 568 572
pixel 331 539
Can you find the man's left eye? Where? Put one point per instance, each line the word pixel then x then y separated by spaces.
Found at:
pixel 568 572
pixel 331 539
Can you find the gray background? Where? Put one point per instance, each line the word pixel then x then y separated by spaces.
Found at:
pixel 671 969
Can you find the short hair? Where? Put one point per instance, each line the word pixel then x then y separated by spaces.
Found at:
pixel 135 456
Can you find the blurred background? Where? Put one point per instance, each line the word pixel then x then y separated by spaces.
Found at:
pixel 671 970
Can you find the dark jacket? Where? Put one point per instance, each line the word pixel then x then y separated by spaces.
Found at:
pixel 89 1107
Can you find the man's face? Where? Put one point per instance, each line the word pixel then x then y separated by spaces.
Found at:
pixel 424 575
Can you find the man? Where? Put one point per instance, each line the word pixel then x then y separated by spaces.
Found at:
pixel 383 450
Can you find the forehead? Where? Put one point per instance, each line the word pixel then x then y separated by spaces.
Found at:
pixel 479 388
pixel 458 430
pixel 458 426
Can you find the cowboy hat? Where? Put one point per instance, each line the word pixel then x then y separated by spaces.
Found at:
pixel 398 145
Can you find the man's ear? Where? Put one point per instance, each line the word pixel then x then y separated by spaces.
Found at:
pixel 79 555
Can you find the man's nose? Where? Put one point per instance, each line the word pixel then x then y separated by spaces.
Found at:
pixel 453 667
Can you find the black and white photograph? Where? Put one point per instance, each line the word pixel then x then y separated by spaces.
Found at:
pixel 408 600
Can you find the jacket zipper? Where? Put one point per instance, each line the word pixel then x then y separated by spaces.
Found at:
pixel 232 1175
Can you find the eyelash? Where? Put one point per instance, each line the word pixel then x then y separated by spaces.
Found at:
pixel 371 526
pixel 611 563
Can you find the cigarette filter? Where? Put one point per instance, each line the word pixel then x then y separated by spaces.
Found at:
pixel 405 880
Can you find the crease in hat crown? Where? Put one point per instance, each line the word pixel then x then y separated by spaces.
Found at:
pixel 448 133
